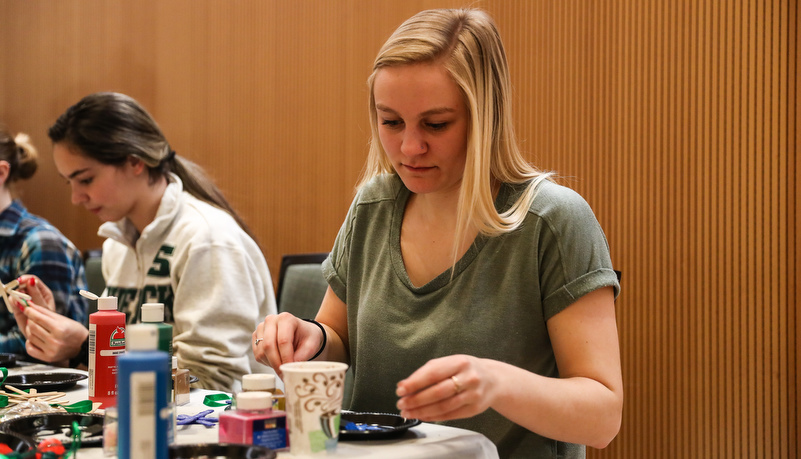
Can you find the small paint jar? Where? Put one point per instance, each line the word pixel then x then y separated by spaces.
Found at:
pixel 180 383
pixel 254 422
pixel 266 383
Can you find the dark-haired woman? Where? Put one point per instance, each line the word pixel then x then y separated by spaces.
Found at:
pixel 29 245
pixel 171 236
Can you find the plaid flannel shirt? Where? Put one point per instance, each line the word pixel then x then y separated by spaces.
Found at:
pixel 31 245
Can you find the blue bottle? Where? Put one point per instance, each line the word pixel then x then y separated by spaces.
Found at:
pixel 144 377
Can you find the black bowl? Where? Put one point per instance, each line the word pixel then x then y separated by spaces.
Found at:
pixel 8 360
pixel 39 427
pixel 18 443
pixel 378 425
pixel 49 381
pixel 227 450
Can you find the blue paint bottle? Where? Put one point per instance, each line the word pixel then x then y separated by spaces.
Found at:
pixel 144 378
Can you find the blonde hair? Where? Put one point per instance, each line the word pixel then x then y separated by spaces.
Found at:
pixel 468 45
pixel 19 153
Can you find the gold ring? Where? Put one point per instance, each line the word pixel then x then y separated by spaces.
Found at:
pixel 258 340
pixel 456 385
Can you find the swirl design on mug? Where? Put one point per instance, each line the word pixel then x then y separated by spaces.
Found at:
pixel 321 392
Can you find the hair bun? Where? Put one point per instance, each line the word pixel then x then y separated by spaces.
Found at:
pixel 26 158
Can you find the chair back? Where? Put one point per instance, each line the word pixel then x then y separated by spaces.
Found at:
pixel 94 276
pixel 301 285
pixel 301 288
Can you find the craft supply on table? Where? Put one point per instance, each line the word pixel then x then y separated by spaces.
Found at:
pixel 254 422
pixel 153 313
pixel 145 417
pixel 201 418
pixel 180 383
pixel 266 383
pixel 8 292
pixel 106 342
pixel 16 402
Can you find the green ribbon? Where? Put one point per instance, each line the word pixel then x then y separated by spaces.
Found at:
pixel 76 437
pixel 3 398
pixel 217 400
pixel 84 406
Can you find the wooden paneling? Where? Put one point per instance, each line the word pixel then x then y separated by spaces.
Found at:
pixel 677 120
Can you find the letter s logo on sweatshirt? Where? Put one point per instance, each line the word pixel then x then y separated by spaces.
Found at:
pixel 161 262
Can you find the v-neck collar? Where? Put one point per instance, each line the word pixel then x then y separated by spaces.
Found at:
pixel 444 278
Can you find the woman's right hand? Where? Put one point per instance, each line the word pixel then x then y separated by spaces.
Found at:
pixel 283 338
pixel 51 337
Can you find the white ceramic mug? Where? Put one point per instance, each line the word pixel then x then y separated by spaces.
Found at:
pixel 314 392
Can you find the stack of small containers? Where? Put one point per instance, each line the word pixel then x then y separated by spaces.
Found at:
pixel 255 419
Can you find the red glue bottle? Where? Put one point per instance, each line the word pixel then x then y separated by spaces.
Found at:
pixel 106 342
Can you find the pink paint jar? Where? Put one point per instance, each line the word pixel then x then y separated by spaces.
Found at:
pixel 254 422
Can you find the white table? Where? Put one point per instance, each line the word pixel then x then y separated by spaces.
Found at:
pixel 423 441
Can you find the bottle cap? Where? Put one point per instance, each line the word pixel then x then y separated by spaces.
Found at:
pixel 141 337
pixel 258 381
pixel 153 312
pixel 107 303
pixel 255 400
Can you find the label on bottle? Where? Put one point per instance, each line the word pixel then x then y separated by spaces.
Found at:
pixel 270 433
pixel 143 414
pixel 106 342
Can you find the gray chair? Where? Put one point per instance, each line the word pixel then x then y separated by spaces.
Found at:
pixel 301 288
pixel 94 276
pixel 301 285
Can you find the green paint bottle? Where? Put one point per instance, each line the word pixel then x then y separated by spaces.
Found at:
pixel 153 313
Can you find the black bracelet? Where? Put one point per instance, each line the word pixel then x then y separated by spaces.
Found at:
pixel 82 357
pixel 325 337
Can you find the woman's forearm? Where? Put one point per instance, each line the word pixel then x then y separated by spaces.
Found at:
pixel 576 410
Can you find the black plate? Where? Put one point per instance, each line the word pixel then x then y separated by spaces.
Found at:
pixel 57 425
pixel 18 443
pixel 8 360
pixel 45 381
pixel 382 425
pixel 228 450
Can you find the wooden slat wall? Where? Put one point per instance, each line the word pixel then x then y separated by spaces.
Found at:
pixel 677 120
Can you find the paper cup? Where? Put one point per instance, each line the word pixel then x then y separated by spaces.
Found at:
pixel 314 392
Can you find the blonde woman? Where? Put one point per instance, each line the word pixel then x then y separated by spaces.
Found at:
pixel 465 286
pixel 29 245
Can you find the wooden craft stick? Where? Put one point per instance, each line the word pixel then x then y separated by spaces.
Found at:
pixel 45 394
pixel 6 300
pixel 24 296
pixel 23 393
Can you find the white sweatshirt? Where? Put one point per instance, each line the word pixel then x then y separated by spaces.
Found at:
pixel 210 275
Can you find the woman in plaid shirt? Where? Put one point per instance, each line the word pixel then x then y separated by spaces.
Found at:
pixel 31 245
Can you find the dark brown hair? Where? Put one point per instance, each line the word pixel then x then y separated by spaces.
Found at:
pixel 109 127
pixel 20 154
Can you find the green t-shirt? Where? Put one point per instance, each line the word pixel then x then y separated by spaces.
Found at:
pixel 495 306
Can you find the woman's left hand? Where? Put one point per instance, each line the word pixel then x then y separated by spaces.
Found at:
pixel 452 387
pixel 39 292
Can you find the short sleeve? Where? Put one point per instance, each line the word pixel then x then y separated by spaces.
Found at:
pixel 573 250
